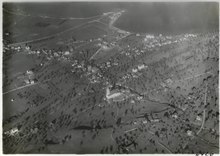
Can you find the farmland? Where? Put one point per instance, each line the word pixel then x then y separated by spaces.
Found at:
pixel 82 85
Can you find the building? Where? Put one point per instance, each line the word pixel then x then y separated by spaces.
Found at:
pixel 29 77
pixel 66 53
pixel 12 132
pixel 140 67
pixel 116 95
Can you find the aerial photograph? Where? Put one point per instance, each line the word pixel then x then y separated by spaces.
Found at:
pixel 110 77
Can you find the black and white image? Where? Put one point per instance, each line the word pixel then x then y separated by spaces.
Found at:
pixel 110 77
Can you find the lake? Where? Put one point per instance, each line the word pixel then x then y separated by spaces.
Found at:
pixel 169 17
pixel 140 17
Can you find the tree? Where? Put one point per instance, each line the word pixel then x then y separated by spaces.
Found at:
pixel 111 148
pixel 118 121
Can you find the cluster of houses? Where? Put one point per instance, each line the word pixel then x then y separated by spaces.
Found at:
pixel 15 48
pixel 29 77
pixel 153 41
pixel 93 74
pixel 12 132
pixel 139 68
pixel 49 53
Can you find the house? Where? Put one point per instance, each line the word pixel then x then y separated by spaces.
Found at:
pixel 140 67
pixel 198 118
pixel 32 81
pixel 169 81
pixel 134 70
pixel 27 47
pixel 71 49
pixel 189 133
pixel 30 74
pixel 92 69
pixel 66 53
pixel 29 77
pixel 26 81
pixel 34 130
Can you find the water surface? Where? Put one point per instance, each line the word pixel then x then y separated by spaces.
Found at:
pixel 140 17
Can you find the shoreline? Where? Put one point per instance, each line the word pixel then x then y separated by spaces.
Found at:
pixel 115 17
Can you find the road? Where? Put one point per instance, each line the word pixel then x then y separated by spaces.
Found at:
pixel 95 53
pixel 80 25
pixel 45 17
pixel 22 87
pixel 53 35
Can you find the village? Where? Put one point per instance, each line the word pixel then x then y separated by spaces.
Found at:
pixel 121 92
